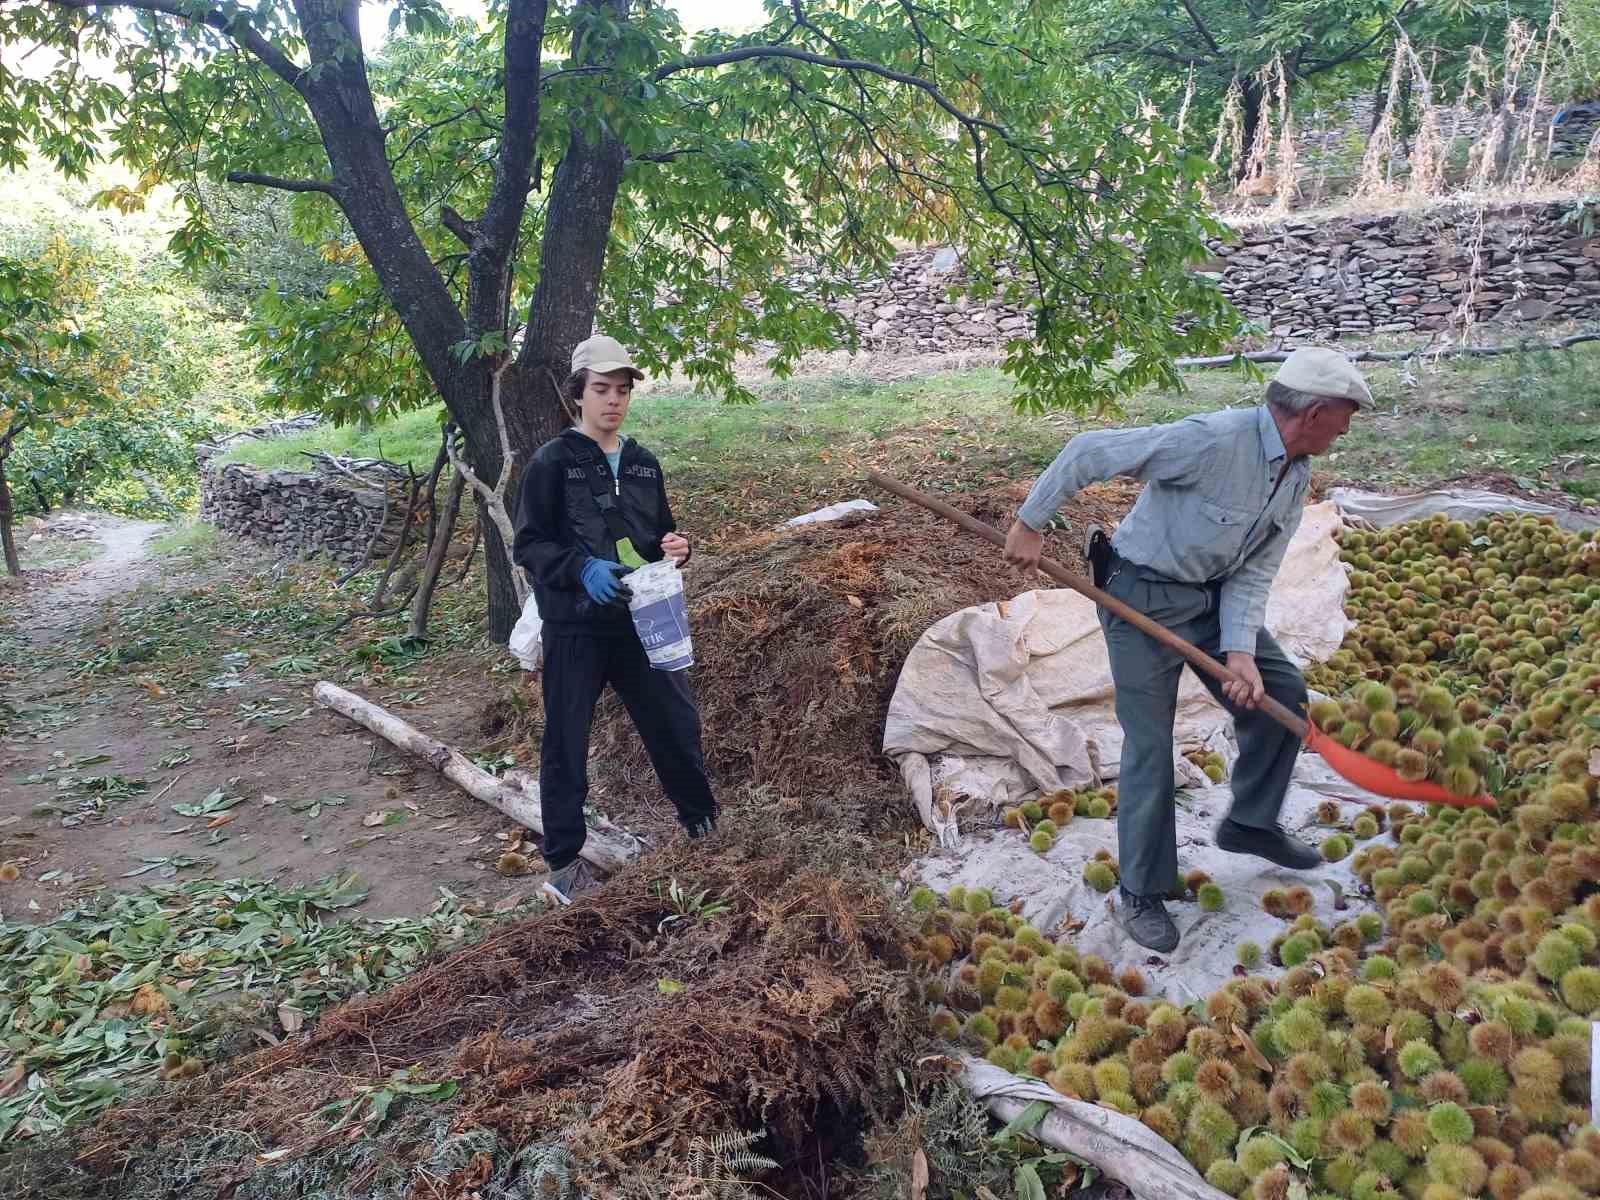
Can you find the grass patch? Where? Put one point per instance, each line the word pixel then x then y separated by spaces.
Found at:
pixel 807 442
pixel 1530 416
pixel 185 540
pixel 54 553
pixel 412 437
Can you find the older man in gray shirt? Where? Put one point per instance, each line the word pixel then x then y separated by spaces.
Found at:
pixel 1198 553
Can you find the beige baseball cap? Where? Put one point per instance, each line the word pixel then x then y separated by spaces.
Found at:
pixel 1323 372
pixel 603 355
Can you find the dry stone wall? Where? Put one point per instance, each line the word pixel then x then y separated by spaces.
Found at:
pixel 297 514
pixel 1300 280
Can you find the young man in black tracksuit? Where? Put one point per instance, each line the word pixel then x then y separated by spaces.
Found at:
pixel 585 491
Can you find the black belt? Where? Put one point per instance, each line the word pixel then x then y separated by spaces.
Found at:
pixel 1118 564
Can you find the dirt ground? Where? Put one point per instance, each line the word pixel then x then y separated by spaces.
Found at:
pixel 317 795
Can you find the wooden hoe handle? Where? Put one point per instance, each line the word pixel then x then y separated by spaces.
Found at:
pixel 1197 658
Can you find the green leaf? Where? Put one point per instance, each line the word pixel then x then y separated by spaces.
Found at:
pixel 1025 1121
pixel 214 803
pixel 1026 1182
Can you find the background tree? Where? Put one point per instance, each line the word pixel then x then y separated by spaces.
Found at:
pixel 275 248
pixel 44 369
pixel 1158 46
pixel 672 182
pixel 175 371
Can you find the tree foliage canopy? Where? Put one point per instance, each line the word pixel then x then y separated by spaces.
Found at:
pixel 494 190
pixel 154 367
pixel 47 373
pixel 823 135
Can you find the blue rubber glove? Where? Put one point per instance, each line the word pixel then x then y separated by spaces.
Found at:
pixel 603 581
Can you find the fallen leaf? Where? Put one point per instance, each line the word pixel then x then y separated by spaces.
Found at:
pixel 508 903
pixel 372 818
pixel 269 799
pixel 668 987
pixel 1251 1050
pixel 919 1175
pixel 218 821
pixel 858 602
pixel 413 806
pixel 473 840
pixel 290 1018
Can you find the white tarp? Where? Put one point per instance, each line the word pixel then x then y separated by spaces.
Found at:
pixel 1054 896
pixel 1459 504
pixel 1004 700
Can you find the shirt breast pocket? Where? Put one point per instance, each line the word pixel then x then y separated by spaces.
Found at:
pixel 1231 519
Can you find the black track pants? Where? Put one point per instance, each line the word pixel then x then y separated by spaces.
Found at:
pixel 577 668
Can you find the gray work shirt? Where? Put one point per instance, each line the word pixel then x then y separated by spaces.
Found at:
pixel 1209 512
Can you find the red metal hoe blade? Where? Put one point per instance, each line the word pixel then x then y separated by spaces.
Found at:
pixel 1385 781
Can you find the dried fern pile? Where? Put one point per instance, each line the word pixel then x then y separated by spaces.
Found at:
pixel 650 1041
pixel 799 639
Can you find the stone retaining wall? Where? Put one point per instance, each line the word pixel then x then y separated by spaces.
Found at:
pixel 297 514
pixel 1301 280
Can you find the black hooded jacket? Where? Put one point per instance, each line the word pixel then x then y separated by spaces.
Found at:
pixel 560 526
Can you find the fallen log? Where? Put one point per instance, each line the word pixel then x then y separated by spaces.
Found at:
pixel 1428 351
pixel 1120 1147
pixel 607 850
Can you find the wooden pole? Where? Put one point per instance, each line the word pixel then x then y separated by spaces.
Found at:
pixel 606 851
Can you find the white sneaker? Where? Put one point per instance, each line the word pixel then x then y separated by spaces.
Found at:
pixel 571 880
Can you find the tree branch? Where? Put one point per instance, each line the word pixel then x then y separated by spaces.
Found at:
pixel 1309 69
pixel 519 130
pixel 429 128
pixel 458 225
pixel 326 186
pixel 1200 25
pixel 1153 51
pixel 238 28
pixel 1314 68
pixel 702 62
pixel 492 238
pixel 492 501
pixel 664 156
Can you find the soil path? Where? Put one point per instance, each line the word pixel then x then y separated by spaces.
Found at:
pixel 58 607
pixel 93 766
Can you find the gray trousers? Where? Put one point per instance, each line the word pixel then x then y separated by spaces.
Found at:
pixel 1146 675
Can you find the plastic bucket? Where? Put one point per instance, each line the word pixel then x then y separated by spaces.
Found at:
pixel 661 615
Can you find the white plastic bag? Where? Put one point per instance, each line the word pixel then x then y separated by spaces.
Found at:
pixel 526 644
pixel 832 513
pixel 661 615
